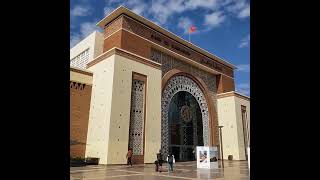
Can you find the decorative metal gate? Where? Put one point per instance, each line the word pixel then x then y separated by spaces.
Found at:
pixel 175 85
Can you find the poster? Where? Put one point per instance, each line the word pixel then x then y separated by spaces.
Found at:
pixel 214 157
pixel 207 157
pixel 202 157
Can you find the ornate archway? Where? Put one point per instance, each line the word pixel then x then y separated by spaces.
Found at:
pixel 174 85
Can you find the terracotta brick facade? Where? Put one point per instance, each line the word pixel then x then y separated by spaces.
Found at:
pixel 152 35
pixel 112 27
pixel 134 44
pixel 80 96
pixel 142 47
pixel 112 41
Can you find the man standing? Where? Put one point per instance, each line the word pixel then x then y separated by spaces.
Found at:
pixel 194 153
pixel 129 156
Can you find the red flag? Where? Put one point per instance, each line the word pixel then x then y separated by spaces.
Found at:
pixel 192 29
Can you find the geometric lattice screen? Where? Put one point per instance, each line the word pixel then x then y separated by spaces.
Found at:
pixel 81 60
pixel 136 133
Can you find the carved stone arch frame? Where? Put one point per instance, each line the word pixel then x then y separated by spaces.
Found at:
pixel 211 118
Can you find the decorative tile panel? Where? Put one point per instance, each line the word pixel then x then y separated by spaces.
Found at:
pixel 137 117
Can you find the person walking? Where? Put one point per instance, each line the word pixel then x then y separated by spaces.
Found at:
pixel 129 157
pixel 171 161
pixel 194 153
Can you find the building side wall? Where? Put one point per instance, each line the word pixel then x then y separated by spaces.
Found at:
pixel 112 41
pixel 241 135
pixel 98 46
pixel 120 115
pixel 86 43
pixel 80 95
pixel 227 118
pixel 100 110
pixel 79 77
pixel 94 42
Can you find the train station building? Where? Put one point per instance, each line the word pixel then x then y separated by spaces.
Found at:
pixel 138 85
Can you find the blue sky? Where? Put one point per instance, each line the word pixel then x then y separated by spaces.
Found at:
pixel 223 26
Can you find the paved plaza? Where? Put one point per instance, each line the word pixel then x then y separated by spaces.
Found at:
pixel 233 170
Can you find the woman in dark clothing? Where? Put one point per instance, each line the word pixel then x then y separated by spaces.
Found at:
pixel 159 159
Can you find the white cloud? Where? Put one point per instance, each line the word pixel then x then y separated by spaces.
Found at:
pixel 86 28
pixel 163 9
pixel 185 23
pixel 114 1
pixel 243 88
pixel 137 6
pixel 160 11
pixel 80 11
pixel 214 19
pixel 139 9
pixel 245 42
pixel 243 67
pixel 107 10
pixel 244 12
pixel 241 8
pixel 235 5
pixel 194 4
pixel 134 2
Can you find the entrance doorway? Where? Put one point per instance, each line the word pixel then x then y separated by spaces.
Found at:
pixel 185 126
